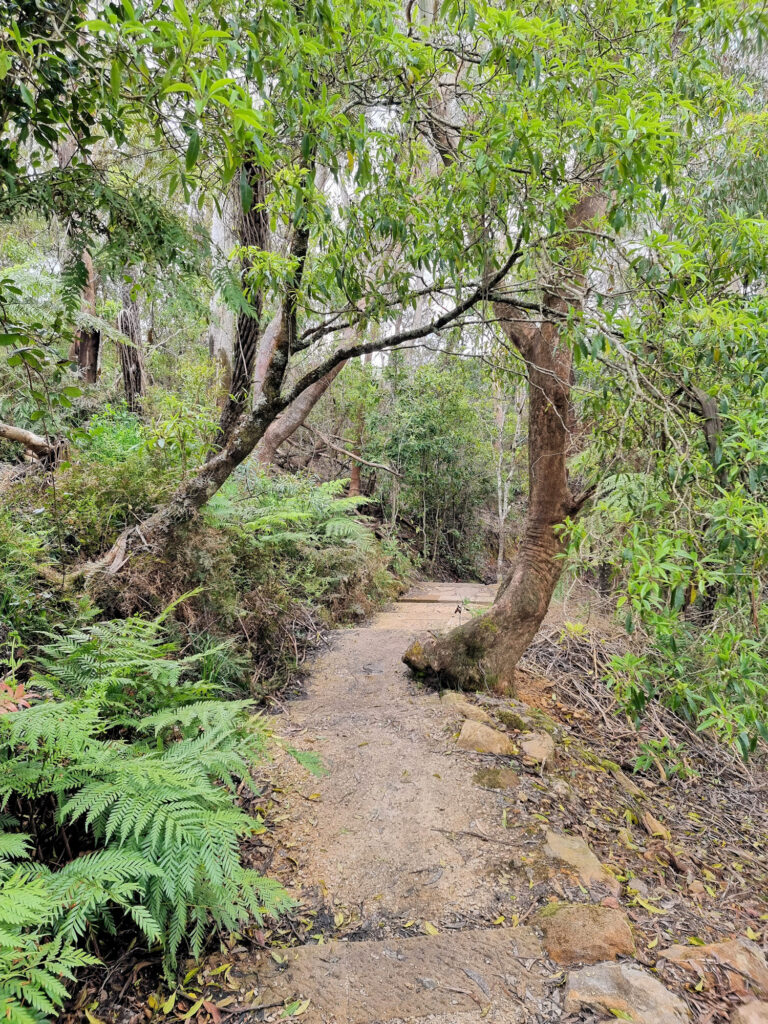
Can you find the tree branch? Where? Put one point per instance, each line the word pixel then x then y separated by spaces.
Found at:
pixel 351 455
pixel 34 443
pixel 414 334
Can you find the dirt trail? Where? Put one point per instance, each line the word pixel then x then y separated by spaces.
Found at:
pixel 427 866
pixel 397 840
pixel 390 838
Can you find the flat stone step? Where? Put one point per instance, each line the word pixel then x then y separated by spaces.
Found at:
pixel 445 976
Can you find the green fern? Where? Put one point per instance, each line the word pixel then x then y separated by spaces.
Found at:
pixel 292 511
pixel 129 663
pixel 156 796
pixel 33 957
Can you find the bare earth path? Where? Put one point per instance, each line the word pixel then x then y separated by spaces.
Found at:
pixel 392 834
pixel 451 886
pixel 400 841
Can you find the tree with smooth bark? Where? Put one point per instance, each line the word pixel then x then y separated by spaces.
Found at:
pixel 483 652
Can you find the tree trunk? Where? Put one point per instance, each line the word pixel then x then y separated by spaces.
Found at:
pixel 502 479
pixel 87 341
pixel 252 232
pixel 355 481
pixel 289 421
pixel 702 610
pixel 84 349
pixel 221 332
pixel 131 362
pixel 483 653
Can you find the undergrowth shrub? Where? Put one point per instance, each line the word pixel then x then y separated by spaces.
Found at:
pixel 28 603
pixel 114 818
pixel 689 589
pixel 272 561
pixel 116 475
pixel 310 537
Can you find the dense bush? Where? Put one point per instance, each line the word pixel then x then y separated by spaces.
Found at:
pixel 433 425
pixel 24 603
pixel 116 818
pixel 306 534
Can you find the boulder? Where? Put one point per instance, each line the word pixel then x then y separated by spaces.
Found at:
pixel 455 701
pixel 538 746
pixel 748 969
pixel 484 739
pixel 573 854
pixel 754 1012
pixel 583 933
pixel 624 990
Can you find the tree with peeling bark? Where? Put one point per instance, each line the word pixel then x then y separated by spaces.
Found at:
pixel 131 360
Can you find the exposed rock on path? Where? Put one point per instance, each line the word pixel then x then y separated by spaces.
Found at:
pixel 624 989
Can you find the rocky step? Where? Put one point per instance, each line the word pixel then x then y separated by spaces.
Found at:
pixel 452 976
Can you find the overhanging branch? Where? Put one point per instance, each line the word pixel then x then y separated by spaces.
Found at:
pixel 401 337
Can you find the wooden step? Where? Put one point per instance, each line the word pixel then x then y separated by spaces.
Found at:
pixel 497 974
pixel 450 593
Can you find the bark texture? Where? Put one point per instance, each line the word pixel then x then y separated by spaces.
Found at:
pixel 131 356
pixel 252 230
pixel 483 653
pixel 87 341
pixel 35 444
pixel 221 333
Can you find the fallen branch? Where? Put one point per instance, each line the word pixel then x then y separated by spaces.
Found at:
pixel 35 443
pixel 351 455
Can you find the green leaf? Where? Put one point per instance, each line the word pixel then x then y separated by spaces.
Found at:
pixel 193 150
pixel 115 79
pixel 180 10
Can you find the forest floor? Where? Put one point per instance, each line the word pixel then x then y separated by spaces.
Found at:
pixel 536 883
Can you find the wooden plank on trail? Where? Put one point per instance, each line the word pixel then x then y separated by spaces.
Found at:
pixel 450 593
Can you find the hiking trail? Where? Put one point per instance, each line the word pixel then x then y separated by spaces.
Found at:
pixel 444 854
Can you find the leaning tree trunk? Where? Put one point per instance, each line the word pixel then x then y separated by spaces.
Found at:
pixel 41 448
pixel 484 652
pixel 131 362
pixel 289 421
